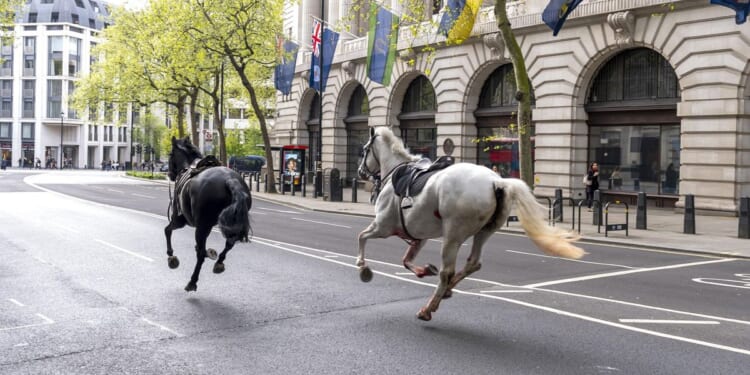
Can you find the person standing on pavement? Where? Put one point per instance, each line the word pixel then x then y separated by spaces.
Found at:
pixel 592 183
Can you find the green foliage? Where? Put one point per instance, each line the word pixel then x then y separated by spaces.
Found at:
pixel 147 175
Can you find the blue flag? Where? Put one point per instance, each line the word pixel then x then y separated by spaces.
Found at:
pixel 556 12
pixel 381 46
pixel 458 19
pixel 742 7
pixel 284 73
pixel 325 41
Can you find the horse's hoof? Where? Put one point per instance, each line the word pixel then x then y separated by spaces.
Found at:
pixel 191 287
pixel 211 254
pixel 431 270
pixel 424 315
pixel 218 267
pixel 173 262
pixel 365 274
pixel 448 294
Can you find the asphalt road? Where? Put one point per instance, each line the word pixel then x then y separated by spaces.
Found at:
pixel 85 288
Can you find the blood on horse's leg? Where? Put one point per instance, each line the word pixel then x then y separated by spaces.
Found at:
pixel 450 251
pixel 411 253
pixel 472 263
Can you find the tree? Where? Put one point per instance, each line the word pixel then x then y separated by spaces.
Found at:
pixel 523 93
pixel 8 11
pixel 244 33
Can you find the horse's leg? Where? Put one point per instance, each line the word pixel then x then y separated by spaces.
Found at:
pixel 372 230
pixel 201 234
pixel 219 265
pixel 472 263
pixel 450 251
pixel 177 222
pixel 411 253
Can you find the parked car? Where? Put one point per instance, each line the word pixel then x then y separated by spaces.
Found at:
pixel 247 164
pixel 164 168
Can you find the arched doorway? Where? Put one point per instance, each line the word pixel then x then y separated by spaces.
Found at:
pixel 313 132
pixel 417 118
pixel 496 116
pixel 357 131
pixel 634 131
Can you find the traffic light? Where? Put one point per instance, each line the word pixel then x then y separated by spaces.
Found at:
pixel 138 149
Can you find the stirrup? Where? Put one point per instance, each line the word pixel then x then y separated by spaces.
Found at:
pixel 407 202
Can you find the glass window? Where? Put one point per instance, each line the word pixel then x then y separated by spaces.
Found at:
pixel 55 55
pixel 358 104
pixel 6 130
pixel 420 96
pixel 32 17
pixel 54 98
pixel 75 19
pixel 74 56
pixel 637 158
pixel 27 131
pixel 637 74
pixel 54 17
pixel 47 1
pixel 79 3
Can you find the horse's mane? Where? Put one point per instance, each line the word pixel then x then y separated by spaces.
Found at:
pixel 397 146
pixel 191 151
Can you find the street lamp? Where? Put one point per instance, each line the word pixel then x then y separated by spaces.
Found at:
pixel 62 117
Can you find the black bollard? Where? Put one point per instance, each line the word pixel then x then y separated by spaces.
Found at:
pixel 257 183
pixel 315 186
pixel 744 226
pixel 354 190
pixel 265 185
pixel 597 207
pixel 557 210
pixel 304 186
pixel 291 184
pixel 281 183
pixel 640 216
pixel 689 227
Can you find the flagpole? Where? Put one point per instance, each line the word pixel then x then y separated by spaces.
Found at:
pixel 328 23
pixel 319 149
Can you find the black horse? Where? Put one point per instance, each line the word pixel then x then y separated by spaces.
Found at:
pixel 205 194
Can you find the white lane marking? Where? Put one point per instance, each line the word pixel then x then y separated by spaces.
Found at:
pixel 507 291
pixel 403 273
pixel 162 327
pixel 332 256
pixel 322 222
pixel 571 260
pixel 46 319
pixel 619 273
pixel 668 321
pixel 142 196
pixel 40 259
pixel 742 282
pixel 282 211
pixel 116 191
pixel 21 344
pixel 15 302
pixel 538 307
pixel 125 250
pixel 69 229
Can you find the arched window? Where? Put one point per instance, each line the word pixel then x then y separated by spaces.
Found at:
pixel 418 118
pixel 357 131
pixel 634 131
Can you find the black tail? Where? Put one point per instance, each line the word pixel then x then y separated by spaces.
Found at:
pixel 234 221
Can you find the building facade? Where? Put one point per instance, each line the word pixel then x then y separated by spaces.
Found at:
pixel 52 48
pixel 656 94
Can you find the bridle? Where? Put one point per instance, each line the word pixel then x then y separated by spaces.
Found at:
pixel 365 153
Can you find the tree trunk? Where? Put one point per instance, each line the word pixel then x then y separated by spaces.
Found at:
pixel 523 94
pixel 194 125
pixel 219 126
pixel 181 98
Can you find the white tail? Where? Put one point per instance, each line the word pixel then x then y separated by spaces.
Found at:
pixel 531 214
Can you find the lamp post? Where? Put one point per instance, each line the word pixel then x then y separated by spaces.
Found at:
pixel 132 110
pixel 62 117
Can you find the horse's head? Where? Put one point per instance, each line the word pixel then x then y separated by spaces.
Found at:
pixel 182 155
pixel 370 164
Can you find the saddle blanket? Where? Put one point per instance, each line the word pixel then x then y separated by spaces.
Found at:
pixel 409 179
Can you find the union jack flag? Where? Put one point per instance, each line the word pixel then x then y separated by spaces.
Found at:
pixel 316 37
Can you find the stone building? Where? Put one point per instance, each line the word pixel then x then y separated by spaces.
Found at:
pixel 656 94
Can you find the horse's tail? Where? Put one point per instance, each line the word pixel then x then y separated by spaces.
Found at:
pixel 531 214
pixel 234 220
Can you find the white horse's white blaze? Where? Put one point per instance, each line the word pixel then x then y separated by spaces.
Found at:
pixel 459 202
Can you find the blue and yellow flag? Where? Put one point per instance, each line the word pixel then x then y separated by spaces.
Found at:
pixel 458 19
pixel 556 12
pixel 381 45
pixel 742 7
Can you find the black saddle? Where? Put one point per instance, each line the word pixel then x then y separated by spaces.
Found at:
pixel 208 161
pixel 409 179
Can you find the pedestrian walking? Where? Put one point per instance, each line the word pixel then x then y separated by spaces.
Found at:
pixel 591 180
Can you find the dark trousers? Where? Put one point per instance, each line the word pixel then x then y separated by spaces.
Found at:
pixel 589 196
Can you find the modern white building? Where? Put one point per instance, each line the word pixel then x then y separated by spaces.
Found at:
pixel 657 93
pixel 52 47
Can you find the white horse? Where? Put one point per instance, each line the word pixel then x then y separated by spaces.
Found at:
pixel 456 203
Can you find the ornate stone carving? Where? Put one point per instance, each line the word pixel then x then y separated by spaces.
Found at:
pixel 495 43
pixel 349 68
pixel 623 23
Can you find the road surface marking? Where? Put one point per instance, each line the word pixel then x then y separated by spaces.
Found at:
pixel 69 229
pixel 161 327
pixel 15 302
pixel 142 196
pixel 331 256
pixel 21 344
pixel 507 291
pixel 282 211
pixel 116 191
pixel 404 273
pixel 40 259
pixel 572 260
pixel 46 319
pixel 742 282
pixel 619 273
pixel 124 250
pixel 666 321
pixel 322 222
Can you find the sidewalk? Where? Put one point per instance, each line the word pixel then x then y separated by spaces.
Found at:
pixel 715 235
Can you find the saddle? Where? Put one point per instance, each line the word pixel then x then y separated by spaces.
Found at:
pixel 409 179
pixel 209 161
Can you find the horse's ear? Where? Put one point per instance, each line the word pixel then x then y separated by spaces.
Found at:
pixel 372 132
pixel 174 139
pixel 187 139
